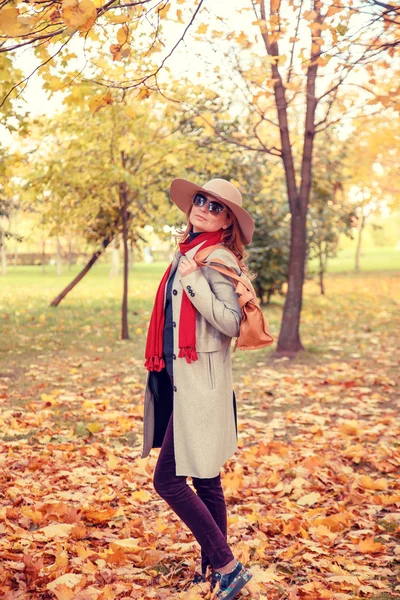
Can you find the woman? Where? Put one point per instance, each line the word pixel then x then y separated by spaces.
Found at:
pixel 190 409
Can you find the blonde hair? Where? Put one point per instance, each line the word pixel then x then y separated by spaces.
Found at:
pixel 231 238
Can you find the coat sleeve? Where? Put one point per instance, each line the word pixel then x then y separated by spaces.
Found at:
pixel 213 295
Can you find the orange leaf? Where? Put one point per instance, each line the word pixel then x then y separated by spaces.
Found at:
pixel 369 545
pixel 373 484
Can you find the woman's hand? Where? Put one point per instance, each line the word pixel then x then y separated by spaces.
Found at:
pixel 187 265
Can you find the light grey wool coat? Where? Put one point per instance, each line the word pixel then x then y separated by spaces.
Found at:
pixel 203 411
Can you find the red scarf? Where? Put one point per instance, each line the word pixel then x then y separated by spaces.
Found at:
pixel 187 320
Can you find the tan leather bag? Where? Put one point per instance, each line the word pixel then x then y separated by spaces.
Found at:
pixel 254 331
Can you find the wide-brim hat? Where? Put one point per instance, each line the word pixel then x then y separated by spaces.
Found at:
pixel 183 191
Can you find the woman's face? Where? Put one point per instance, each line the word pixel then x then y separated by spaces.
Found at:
pixel 202 220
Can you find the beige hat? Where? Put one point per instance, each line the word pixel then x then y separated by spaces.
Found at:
pixel 183 191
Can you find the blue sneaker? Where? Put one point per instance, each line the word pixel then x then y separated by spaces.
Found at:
pixel 230 584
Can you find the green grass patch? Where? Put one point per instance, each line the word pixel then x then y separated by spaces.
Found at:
pixel 371 259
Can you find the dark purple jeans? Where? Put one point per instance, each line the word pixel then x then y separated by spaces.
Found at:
pixel 204 513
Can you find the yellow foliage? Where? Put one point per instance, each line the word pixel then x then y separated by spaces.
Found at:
pixel 143 94
pixel 369 545
pixel 79 15
pixel 117 18
pixel 99 102
pixel 9 23
pixel 202 28
pixel 373 484
pixel 122 35
pixel 163 11
pixel 332 10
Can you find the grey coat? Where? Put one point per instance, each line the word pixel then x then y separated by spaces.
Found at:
pixel 203 411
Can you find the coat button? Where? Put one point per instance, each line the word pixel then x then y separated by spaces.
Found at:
pixel 175 388
pixel 173 324
pixel 189 289
pixel 174 356
pixel 192 294
pixel 174 292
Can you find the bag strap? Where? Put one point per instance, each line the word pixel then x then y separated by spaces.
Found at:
pixel 219 265
pixel 200 259
pixel 205 252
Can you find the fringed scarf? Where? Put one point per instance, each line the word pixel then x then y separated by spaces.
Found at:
pixel 187 320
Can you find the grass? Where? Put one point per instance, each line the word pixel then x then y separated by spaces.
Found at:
pixel 356 313
pixel 371 259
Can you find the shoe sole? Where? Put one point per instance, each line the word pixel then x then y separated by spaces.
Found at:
pixel 237 584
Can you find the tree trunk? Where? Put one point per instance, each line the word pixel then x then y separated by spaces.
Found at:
pixel 124 198
pixel 59 259
pixel 358 249
pixel 80 275
pixel 289 337
pixel 3 255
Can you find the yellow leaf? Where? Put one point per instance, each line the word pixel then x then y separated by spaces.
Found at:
pixel 70 580
pixel 141 495
pixel 139 331
pixel 100 516
pixel 130 112
pixel 63 592
pixel 350 428
pixel 47 398
pixel 275 5
pixel 9 24
pixel 79 15
pixel 50 532
pixel 95 427
pixel 242 38
pixel 202 28
pixel 113 461
pixel 99 102
pixel 127 544
pixel 163 11
pixel 373 484
pixel 310 15
pixel 143 94
pixel 369 545
pixel 332 10
pixel 309 499
pixel 88 404
pixel 118 18
pixel 122 35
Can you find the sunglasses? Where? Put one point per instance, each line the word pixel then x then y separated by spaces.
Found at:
pixel 214 208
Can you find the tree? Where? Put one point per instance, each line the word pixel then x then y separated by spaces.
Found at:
pixel 373 179
pixel 330 213
pixel 100 176
pixel 134 29
pixel 326 48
